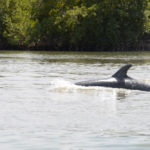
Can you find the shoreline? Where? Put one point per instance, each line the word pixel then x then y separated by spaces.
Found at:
pixel 142 45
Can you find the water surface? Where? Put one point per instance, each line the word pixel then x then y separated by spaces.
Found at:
pixel 42 109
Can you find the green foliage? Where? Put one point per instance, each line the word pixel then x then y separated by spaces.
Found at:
pixel 2 26
pixel 82 24
pixel 75 24
pixel 147 14
pixel 18 21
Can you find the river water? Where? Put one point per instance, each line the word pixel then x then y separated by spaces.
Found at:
pixel 42 109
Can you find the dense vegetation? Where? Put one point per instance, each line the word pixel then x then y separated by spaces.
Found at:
pixel 72 25
pixel 147 14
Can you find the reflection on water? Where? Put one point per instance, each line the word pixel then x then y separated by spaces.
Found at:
pixel 41 108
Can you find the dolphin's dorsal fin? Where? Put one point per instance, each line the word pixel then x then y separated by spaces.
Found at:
pixel 122 72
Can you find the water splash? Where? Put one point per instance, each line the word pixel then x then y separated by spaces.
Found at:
pixel 61 85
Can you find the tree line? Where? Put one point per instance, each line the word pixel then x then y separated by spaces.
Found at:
pixel 72 25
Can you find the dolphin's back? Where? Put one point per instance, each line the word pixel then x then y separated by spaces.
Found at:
pixel 116 80
pixel 119 80
pixel 103 82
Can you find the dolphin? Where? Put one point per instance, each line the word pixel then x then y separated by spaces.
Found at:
pixel 119 80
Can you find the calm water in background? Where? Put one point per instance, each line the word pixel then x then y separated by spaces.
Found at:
pixel 42 109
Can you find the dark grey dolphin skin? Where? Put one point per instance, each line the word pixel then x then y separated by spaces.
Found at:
pixel 119 80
